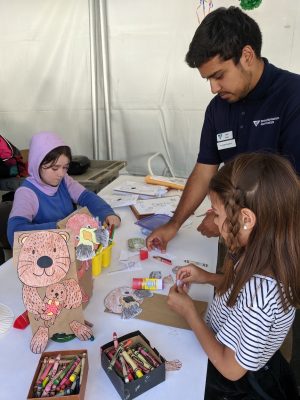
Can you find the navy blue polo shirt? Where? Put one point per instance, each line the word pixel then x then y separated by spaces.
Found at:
pixel 267 119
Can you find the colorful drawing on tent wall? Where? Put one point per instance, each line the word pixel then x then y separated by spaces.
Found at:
pixel 51 294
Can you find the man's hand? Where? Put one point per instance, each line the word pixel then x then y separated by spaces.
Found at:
pixel 208 227
pixel 160 237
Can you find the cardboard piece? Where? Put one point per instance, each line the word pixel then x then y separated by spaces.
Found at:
pixel 136 387
pixel 155 309
pixel 170 182
pixel 84 269
pixel 64 353
pixel 51 294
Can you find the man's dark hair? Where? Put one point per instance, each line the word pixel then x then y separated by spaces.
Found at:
pixel 224 32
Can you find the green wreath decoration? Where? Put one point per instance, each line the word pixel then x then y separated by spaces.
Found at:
pixel 250 4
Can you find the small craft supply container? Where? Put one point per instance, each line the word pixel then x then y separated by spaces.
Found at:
pixel 140 385
pixel 101 259
pixel 64 355
pixel 106 255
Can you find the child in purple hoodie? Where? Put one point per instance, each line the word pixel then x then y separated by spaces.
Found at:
pixel 49 194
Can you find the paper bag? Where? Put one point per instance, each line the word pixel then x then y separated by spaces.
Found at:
pixel 51 294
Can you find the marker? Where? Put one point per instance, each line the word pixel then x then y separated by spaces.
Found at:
pixel 163 259
pixel 130 361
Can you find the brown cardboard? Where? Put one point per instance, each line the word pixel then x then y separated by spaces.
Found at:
pixel 136 387
pixel 156 309
pixel 27 253
pixel 80 395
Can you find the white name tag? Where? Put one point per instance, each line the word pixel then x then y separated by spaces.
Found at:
pixel 226 144
pixel 224 136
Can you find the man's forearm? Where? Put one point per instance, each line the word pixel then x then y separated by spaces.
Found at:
pixel 194 192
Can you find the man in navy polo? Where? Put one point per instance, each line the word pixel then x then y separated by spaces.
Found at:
pixel 256 108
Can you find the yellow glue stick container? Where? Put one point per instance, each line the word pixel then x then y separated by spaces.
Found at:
pixel 97 263
pixel 147 283
pixel 106 256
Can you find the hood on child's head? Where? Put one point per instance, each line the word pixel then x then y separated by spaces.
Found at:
pixel 40 145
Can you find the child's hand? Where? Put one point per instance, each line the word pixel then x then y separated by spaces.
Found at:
pixel 180 302
pixel 190 273
pixel 113 220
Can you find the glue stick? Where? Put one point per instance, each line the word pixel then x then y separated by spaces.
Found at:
pixel 147 283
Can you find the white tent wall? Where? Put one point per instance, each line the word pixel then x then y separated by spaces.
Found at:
pixel 157 101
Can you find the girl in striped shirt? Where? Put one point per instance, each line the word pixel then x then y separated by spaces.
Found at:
pixel 256 199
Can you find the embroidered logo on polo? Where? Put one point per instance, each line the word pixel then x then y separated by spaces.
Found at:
pixel 225 140
pixel 267 121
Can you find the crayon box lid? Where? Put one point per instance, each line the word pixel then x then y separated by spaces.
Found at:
pixel 137 386
pixel 63 353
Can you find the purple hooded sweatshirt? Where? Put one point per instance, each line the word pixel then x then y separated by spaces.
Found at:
pixel 40 206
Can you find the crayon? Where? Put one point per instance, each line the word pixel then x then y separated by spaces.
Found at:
pixel 142 359
pixel 146 353
pixel 63 373
pixel 115 339
pixel 76 372
pixel 124 369
pixel 82 368
pixel 64 382
pixel 130 361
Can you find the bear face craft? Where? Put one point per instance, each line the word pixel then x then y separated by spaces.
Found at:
pixel 50 286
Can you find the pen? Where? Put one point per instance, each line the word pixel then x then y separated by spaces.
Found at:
pixel 163 259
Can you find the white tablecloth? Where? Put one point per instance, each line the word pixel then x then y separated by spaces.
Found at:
pixel 18 364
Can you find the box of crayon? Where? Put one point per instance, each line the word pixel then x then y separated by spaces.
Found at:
pixel 132 365
pixel 60 375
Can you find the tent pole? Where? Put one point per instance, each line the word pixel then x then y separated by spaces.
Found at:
pixel 105 69
pixel 94 80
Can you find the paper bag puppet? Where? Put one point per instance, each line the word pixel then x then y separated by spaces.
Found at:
pixel 80 222
pixel 51 294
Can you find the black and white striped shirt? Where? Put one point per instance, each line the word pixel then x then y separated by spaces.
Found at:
pixel 255 327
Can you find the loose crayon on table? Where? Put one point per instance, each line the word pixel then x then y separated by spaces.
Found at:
pixel 130 361
pixel 163 259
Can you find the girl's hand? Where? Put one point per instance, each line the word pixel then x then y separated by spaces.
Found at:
pixel 113 220
pixel 192 274
pixel 180 302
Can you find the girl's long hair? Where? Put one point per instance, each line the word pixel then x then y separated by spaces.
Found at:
pixel 266 184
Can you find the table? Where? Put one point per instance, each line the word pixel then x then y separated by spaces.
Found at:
pixel 18 364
